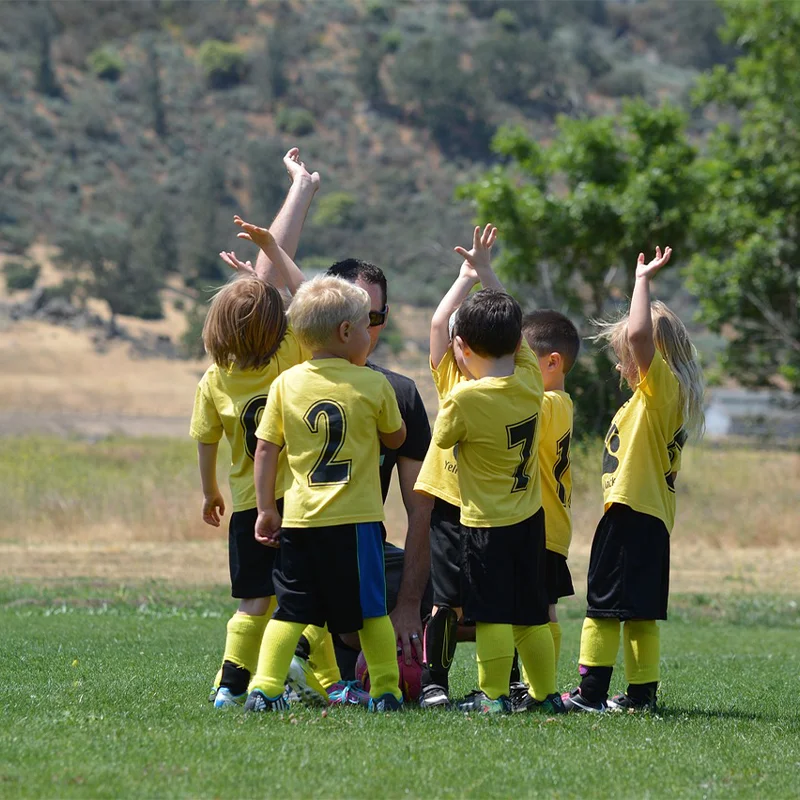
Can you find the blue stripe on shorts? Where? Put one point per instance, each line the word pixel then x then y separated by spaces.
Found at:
pixel 371 574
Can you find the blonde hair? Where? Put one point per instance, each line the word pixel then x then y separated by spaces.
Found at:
pixel 672 341
pixel 322 304
pixel 245 323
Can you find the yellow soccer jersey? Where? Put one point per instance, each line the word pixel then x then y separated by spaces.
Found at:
pixel 643 446
pixel 438 475
pixel 328 413
pixel 555 433
pixel 231 402
pixel 495 422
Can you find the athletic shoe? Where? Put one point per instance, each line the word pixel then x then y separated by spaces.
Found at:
pixel 434 696
pixel 574 701
pixel 481 703
pixel 552 704
pixel 303 683
pixel 624 702
pixel 348 693
pixel 386 702
pixel 258 701
pixel 225 698
pixel 517 693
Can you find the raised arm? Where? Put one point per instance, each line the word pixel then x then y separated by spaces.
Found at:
pixel 476 268
pixel 288 271
pixel 640 321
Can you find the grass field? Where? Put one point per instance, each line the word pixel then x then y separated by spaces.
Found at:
pixel 104 695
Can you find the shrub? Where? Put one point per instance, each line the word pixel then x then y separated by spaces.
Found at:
pixel 622 82
pixel 392 40
pixel 106 64
pixel 19 276
pixel 338 210
pixel 506 19
pixel 295 121
pixel 224 65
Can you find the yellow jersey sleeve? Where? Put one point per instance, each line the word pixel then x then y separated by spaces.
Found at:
pixel 450 426
pixel 270 428
pixel 446 375
pixel 206 425
pixel 389 417
pixel 643 446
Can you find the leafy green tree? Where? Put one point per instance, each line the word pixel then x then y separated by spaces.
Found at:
pixel 747 269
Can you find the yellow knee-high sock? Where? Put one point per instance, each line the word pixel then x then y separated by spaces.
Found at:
pixel 380 652
pixel 555 631
pixel 243 639
pixel 277 648
pixel 599 642
pixel 535 647
pixel 323 656
pixel 642 647
pixel 494 648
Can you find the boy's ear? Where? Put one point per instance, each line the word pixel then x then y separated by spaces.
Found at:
pixel 344 330
pixel 462 346
pixel 555 361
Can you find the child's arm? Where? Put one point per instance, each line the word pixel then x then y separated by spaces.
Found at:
pixel 289 271
pixel 213 504
pixel 640 321
pixel 268 524
pixel 475 268
pixel 394 440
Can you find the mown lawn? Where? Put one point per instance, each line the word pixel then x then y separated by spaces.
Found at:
pixel 104 695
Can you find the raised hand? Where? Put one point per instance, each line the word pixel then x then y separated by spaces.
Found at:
pixel 236 265
pixel 258 236
pixel 649 270
pixel 297 169
pixel 479 258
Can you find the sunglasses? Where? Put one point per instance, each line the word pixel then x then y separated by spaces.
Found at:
pixel 378 317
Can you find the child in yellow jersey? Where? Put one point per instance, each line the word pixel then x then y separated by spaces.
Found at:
pixel 629 566
pixel 493 419
pixel 555 341
pixel 329 414
pixel 438 478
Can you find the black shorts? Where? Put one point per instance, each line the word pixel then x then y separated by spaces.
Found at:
pixel 629 566
pixel 559 579
pixel 333 575
pixel 504 573
pixel 250 563
pixel 446 554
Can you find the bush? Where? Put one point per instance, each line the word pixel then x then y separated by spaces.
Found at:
pixel 106 64
pixel 295 121
pixel 622 82
pixel 19 276
pixel 338 210
pixel 506 19
pixel 392 40
pixel 224 65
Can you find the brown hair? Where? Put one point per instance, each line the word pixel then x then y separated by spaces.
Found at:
pixel 548 331
pixel 245 323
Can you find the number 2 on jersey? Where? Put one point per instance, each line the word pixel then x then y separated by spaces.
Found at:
pixel 328 471
pixel 522 435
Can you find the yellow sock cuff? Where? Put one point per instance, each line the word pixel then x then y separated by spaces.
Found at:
pixel 555 631
pixel 599 642
pixel 494 650
pixel 642 644
pixel 535 647
pixel 380 652
pixel 323 656
pixel 243 640
pixel 277 648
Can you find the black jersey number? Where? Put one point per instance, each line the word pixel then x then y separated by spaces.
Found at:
pixel 561 466
pixel 610 461
pixel 249 419
pixel 327 417
pixel 522 435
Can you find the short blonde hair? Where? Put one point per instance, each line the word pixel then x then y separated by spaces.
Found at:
pixel 321 305
pixel 672 341
pixel 245 323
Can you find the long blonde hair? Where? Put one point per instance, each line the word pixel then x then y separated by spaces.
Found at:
pixel 245 323
pixel 672 341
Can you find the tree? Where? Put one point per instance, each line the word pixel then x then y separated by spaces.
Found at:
pixel 44 29
pixel 152 88
pixel 747 269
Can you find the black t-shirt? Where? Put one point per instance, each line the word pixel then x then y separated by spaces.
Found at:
pixel 418 429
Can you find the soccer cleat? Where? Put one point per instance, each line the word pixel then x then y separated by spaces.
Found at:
pixel 386 702
pixel 574 701
pixel 434 696
pixel 552 704
pixel 481 703
pixel 517 693
pixel 225 698
pixel 258 701
pixel 348 693
pixel 624 702
pixel 304 685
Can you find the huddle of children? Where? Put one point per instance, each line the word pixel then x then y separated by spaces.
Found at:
pixel 305 418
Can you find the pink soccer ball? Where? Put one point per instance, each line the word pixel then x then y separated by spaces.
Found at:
pixel 410 675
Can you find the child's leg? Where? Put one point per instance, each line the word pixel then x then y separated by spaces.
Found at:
pixel 277 648
pixel 535 646
pixel 599 645
pixel 555 632
pixel 380 653
pixel 494 645
pixel 245 631
pixel 641 645
pixel 322 656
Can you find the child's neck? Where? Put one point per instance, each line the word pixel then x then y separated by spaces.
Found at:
pixel 481 367
pixel 331 350
pixel 555 384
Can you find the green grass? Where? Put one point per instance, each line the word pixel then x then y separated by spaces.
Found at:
pixel 103 695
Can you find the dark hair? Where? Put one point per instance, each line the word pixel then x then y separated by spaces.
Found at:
pixel 351 269
pixel 548 331
pixel 490 323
